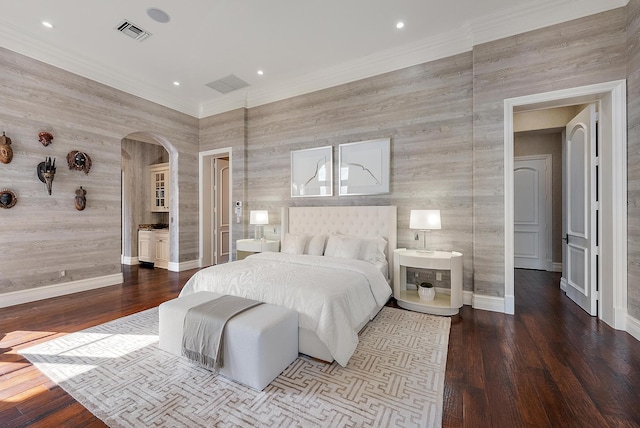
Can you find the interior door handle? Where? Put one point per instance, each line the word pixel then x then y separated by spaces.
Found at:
pixel 566 238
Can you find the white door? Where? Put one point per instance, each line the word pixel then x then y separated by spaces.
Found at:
pixel 529 213
pixel 221 210
pixel 579 275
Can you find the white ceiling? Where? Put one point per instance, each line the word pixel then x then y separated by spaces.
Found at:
pixel 302 45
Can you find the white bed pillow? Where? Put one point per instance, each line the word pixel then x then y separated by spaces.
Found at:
pixel 345 247
pixel 315 245
pixel 372 249
pixel 293 244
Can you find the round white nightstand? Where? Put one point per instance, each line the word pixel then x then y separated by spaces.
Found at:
pixel 443 304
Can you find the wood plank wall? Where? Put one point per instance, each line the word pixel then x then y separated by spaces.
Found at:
pixel 575 53
pixel 229 130
pixel 426 110
pixel 44 235
pixel 633 153
pixel 445 119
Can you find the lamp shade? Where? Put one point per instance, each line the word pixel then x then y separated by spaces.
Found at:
pixel 259 217
pixel 425 219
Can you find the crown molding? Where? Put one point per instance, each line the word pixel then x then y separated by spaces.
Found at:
pixel 535 15
pixel 24 43
pixel 433 48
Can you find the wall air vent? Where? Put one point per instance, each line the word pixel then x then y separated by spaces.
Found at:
pixel 132 30
pixel 228 84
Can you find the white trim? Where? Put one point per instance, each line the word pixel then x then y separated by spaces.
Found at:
pixel 535 15
pixel 618 258
pixel 489 303
pixel 504 23
pixel 179 267
pixel 223 152
pixel 554 267
pixel 633 327
pixel 126 260
pixel 55 290
pixel 467 298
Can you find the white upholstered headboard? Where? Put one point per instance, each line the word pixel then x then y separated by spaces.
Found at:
pixel 348 220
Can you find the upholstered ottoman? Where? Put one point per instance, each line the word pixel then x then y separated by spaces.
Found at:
pixel 258 344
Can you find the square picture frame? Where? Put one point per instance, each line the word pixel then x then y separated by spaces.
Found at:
pixel 364 167
pixel 312 172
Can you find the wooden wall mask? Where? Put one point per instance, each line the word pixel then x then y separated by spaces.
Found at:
pixel 6 152
pixel 45 138
pixel 79 161
pixel 7 199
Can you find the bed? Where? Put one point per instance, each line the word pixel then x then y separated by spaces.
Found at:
pixel 335 293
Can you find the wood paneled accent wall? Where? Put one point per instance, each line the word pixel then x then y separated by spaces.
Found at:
pixel 426 110
pixel 633 154
pixel 44 235
pixel 575 53
pixel 229 130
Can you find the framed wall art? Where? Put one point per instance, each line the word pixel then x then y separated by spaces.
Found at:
pixel 364 167
pixel 312 172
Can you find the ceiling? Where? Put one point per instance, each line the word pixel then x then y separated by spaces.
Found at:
pixel 301 45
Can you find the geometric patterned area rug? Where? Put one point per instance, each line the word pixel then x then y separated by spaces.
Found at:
pixel 116 370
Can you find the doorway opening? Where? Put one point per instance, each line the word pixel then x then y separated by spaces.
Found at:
pixel 139 150
pixel 611 98
pixel 215 206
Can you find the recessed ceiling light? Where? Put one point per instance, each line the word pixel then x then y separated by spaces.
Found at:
pixel 260 72
pixel 176 83
pixel 400 25
pixel 47 24
pixel 158 15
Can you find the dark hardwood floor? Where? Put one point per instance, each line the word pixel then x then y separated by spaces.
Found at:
pixel 550 365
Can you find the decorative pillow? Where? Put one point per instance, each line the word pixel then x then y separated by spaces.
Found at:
pixel 315 245
pixel 372 249
pixel 293 244
pixel 345 247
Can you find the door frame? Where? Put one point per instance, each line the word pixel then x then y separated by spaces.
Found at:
pixel 204 158
pixel 548 209
pixel 613 163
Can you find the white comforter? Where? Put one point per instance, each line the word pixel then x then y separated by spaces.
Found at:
pixel 332 296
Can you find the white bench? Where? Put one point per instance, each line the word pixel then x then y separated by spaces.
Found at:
pixel 258 344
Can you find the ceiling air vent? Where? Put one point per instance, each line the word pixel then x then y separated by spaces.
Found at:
pixel 228 84
pixel 132 30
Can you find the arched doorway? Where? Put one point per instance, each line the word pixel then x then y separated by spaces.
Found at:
pixel 139 150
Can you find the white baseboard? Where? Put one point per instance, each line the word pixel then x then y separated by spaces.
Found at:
pixel 126 260
pixel 489 303
pixel 467 298
pixel 179 267
pixel 55 290
pixel 555 267
pixel 633 327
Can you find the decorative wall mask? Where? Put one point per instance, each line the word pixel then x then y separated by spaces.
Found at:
pixel 7 198
pixel 81 199
pixel 46 172
pixel 45 138
pixel 6 152
pixel 79 161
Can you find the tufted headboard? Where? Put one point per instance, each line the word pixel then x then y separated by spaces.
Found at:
pixel 352 220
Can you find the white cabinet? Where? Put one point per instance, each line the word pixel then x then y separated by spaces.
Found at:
pixel 446 302
pixel 162 249
pixel 246 247
pixel 159 187
pixel 146 246
pixel 153 247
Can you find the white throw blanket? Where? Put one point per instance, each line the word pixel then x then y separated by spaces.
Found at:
pixel 332 296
